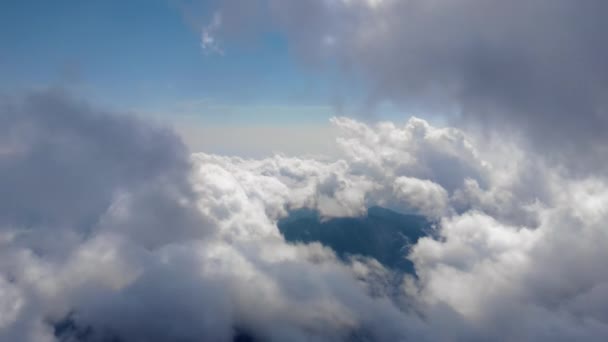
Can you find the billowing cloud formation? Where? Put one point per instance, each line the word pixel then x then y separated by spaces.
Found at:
pixel 524 283
pixel 538 68
pixel 109 229
pixel 140 243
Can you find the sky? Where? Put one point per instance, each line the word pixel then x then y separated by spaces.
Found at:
pixel 149 149
pixel 148 57
pixel 142 54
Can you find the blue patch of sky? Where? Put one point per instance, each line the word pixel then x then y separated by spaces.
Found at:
pixel 143 55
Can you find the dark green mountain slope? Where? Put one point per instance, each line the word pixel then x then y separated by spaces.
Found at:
pixel 382 234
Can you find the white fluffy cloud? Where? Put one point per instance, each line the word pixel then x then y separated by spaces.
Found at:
pixel 159 245
pixel 532 279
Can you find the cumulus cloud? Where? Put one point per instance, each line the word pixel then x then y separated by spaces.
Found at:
pixel 75 183
pixel 517 257
pixel 531 280
pixel 116 230
pixel 110 229
pixel 425 196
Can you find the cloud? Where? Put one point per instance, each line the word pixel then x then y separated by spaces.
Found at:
pixel 209 41
pixel 534 69
pixel 530 279
pixel 187 248
pixel 73 178
pixel 424 196
pixel 116 231
pixel 68 163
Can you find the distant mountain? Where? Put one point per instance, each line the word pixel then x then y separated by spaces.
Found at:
pixel 382 234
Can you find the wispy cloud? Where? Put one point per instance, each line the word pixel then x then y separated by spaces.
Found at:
pixel 209 41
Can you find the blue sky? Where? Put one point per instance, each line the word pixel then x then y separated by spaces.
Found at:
pixel 145 56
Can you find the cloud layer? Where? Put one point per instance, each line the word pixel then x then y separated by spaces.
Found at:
pixel 107 222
